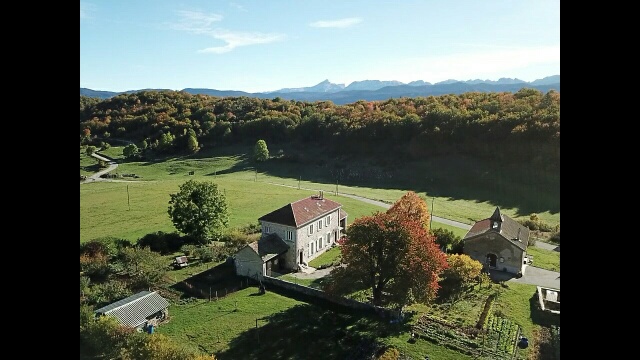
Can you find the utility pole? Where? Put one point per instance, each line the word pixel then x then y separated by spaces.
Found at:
pixel 431 221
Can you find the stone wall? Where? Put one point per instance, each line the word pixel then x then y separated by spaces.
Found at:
pixel 323 296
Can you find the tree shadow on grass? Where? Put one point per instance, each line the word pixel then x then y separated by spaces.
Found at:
pixel 311 332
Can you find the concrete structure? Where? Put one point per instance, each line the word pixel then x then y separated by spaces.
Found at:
pixel 499 243
pixel 292 236
pixel 549 299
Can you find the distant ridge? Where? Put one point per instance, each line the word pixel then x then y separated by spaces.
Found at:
pixel 368 90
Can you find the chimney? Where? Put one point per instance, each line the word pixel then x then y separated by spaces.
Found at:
pixel 321 195
pixel 519 235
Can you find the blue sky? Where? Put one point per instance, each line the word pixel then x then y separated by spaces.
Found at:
pixel 265 45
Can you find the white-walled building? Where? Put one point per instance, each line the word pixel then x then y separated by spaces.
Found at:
pixel 293 234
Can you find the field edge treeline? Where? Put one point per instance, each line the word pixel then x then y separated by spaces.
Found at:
pixel 521 127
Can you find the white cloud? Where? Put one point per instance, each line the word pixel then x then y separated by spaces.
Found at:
pixel 202 24
pixel 341 23
pixel 237 39
pixel 196 22
pixel 238 6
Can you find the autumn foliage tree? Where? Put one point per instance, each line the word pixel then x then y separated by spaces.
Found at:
pixel 462 274
pixel 393 254
pixel 411 207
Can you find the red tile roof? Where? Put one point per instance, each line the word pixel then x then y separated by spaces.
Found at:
pixel 510 229
pixel 302 211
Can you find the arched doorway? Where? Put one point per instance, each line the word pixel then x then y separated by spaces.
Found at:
pixel 492 260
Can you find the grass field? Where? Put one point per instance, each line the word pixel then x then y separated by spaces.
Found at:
pixel 132 210
pixel 289 328
pixel 286 329
pixel 545 259
pixel 327 258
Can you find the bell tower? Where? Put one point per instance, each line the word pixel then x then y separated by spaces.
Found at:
pixel 496 220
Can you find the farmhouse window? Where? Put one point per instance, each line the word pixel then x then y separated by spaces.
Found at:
pixel 267 229
pixel 319 224
pixel 310 229
pixel 327 220
pixel 289 235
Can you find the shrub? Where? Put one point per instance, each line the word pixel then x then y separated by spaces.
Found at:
pixel 188 249
pixel 555 237
pixel 162 242
pixel 536 225
pixel 207 253
pixel 390 353
pixel 253 228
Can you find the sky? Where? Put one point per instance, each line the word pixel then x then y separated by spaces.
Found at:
pixel 266 45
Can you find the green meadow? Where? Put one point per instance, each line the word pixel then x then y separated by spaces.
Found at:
pixel 135 208
pixel 244 325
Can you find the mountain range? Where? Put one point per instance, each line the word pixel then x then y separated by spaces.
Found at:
pixel 368 90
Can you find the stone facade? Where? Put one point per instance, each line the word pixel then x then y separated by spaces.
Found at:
pixel 303 244
pixel 499 243
pixel 248 263
pixel 492 247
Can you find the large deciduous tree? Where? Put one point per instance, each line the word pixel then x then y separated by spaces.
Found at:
pixel 130 151
pixel 199 209
pixel 411 207
pixel 395 256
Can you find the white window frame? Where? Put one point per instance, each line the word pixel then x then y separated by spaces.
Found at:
pixel 289 235
pixel 310 229
pixel 327 220
pixel 321 242
pixel 267 229
pixel 319 224
pixel 328 238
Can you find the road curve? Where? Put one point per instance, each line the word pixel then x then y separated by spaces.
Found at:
pixel 97 176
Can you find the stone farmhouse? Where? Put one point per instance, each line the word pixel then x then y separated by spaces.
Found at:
pixel 498 242
pixel 292 236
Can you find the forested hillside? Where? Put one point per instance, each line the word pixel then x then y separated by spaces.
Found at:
pixel 521 127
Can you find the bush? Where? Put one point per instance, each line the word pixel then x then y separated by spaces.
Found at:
pixel 164 243
pixel 188 249
pixel 254 228
pixel 390 353
pixel 536 225
pixel 555 237
pixel 207 253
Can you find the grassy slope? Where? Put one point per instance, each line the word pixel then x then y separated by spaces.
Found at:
pixel 105 206
pixel 545 259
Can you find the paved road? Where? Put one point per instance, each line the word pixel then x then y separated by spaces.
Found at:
pixel 386 206
pixel 532 275
pixel 97 176
pixel 547 246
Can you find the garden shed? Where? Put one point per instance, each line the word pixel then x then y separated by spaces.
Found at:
pixel 138 310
